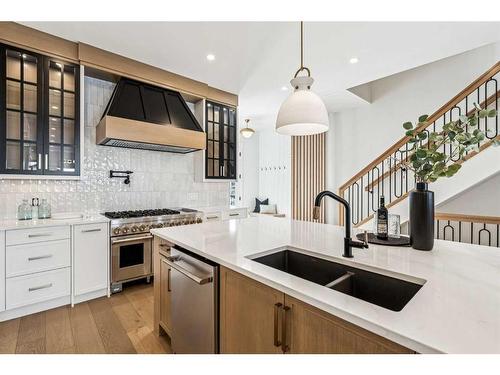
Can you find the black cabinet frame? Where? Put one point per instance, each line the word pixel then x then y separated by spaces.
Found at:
pixel 225 157
pixel 42 115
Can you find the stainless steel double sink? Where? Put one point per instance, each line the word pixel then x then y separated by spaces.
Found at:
pixel 385 291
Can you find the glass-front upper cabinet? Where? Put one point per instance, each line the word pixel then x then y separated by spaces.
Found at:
pixel 62 142
pixel 39 114
pixel 21 112
pixel 220 154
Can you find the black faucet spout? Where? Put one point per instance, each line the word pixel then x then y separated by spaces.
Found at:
pixel 348 242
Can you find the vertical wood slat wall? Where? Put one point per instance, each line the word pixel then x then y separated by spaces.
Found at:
pixel 308 175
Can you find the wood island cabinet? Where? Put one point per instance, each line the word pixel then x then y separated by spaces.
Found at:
pixel 162 292
pixel 247 313
pixel 255 318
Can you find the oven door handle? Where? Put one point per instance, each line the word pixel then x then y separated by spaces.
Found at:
pixel 170 261
pixel 130 239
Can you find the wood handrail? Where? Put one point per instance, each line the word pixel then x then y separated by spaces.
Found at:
pixel 405 195
pixel 491 99
pixel 468 218
pixel 435 116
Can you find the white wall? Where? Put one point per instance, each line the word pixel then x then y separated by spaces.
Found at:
pixel 362 134
pixel 482 199
pixel 249 170
pixel 274 169
pixel 160 179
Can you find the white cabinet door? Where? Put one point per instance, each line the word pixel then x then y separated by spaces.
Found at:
pixel 2 270
pixel 90 260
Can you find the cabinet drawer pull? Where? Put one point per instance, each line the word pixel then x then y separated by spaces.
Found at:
pixel 91 230
pixel 277 308
pixel 212 217
pixel 40 287
pixel 284 346
pixel 164 245
pixel 40 257
pixel 236 214
pixel 39 235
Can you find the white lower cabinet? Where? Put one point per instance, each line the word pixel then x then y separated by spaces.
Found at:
pixel 37 287
pixel 37 257
pixel 90 259
pixel 235 213
pixel 45 267
pixel 2 270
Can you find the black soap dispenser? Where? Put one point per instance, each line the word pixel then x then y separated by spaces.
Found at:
pixel 382 220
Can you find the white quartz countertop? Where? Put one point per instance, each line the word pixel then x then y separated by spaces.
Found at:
pixel 457 310
pixel 24 224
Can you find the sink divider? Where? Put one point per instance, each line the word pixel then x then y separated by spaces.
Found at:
pixel 340 279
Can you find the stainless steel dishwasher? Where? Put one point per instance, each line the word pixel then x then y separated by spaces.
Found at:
pixel 194 302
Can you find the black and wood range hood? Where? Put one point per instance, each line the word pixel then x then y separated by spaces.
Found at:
pixel 147 117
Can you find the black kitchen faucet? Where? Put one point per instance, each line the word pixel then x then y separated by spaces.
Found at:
pixel 349 243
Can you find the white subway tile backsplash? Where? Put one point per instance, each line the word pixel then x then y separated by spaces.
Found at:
pixel 159 180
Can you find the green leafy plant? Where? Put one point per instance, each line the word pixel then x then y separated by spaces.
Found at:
pixel 425 156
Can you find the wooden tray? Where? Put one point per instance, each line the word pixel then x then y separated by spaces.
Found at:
pixel 391 241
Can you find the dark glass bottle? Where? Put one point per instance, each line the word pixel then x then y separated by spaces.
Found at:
pixel 382 220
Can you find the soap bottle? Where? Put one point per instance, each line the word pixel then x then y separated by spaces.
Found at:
pixel 34 208
pixel 382 220
pixel 24 211
pixel 44 212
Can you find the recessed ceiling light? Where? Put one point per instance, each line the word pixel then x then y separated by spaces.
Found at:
pixel 353 60
pixel 55 107
pixel 210 57
pixel 284 88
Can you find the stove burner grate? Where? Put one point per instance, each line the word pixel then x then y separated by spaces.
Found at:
pixel 140 213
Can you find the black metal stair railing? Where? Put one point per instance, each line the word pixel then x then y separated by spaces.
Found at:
pixel 479 230
pixel 387 176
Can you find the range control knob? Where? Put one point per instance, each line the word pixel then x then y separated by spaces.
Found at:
pixel 198 220
pixel 134 229
pixel 178 222
pixel 125 230
pixel 143 227
pixel 116 231
pixel 159 225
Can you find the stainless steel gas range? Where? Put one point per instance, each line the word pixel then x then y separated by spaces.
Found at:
pixel 131 241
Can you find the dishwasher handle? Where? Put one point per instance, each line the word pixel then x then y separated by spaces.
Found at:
pixel 199 280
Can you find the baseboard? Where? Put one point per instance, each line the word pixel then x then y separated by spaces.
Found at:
pixel 90 295
pixel 34 308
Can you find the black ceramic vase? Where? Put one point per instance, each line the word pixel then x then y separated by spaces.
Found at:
pixel 422 217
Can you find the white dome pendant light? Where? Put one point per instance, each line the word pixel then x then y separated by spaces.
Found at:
pixel 247 132
pixel 303 112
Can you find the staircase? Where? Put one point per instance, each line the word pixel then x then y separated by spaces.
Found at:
pixel 386 176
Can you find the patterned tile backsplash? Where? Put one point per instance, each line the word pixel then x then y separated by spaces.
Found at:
pixel 159 180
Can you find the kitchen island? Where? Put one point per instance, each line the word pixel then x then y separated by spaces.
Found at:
pixel 456 310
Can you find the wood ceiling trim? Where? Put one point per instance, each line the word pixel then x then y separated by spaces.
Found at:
pixel 40 42
pixel 37 41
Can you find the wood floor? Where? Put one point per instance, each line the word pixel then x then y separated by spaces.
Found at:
pixel 122 324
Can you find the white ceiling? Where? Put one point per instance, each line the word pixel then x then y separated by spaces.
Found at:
pixel 255 59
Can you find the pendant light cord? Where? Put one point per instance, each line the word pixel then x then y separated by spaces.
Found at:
pixel 302 67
